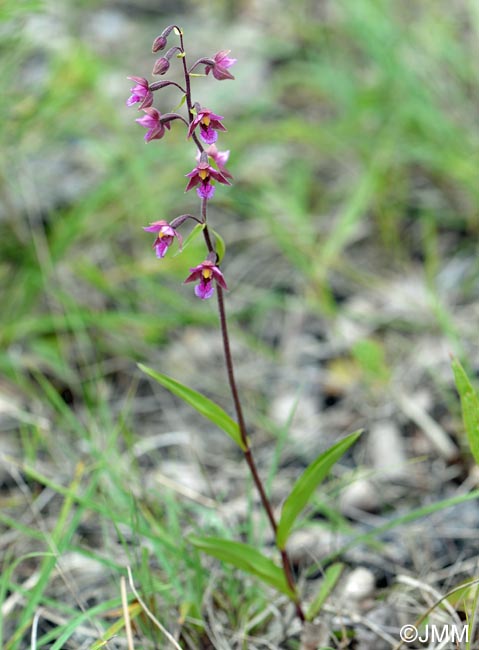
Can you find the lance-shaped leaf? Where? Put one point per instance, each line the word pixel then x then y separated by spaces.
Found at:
pixel 307 483
pixel 331 577
pixel 469 406
pixel 247 558
pixel 220 245
pixel 200 403
pixel 192 236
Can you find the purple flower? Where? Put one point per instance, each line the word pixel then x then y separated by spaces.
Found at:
pixel 140 93
pixel 152 122
pixel 206 272
pixel 165 237
pixel 221 62
pixel 209 123
pixel 201 175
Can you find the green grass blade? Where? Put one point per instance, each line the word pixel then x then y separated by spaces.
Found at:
pixel 200 403
pixel 134 609
pixel 407 518
pixel 245 557
pixel 469 405
pixel 60 537
pixel 307 483
pixel 331 577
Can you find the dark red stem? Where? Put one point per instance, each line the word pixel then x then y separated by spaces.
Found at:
pixel 287 568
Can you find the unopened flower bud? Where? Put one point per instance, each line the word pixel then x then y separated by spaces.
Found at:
pixel 159 43
pixel 161 66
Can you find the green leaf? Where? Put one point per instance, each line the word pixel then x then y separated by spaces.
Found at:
pixel 200 403
pixel 220 245
pixel 307 483
pixel 331 577
pixel 247 558
pixel 470 407
pixel 177 108
pixel 193 235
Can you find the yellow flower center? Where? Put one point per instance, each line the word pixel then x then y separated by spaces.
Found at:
pixel 203 174
pixel 206 120
pixel 207 273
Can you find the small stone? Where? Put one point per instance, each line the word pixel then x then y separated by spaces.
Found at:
pixel 359 495
pixel 360 584
pixel 311 544
pixel 387 450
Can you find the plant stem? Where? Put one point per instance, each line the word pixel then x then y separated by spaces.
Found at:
pixel 288 572
pixel 287 568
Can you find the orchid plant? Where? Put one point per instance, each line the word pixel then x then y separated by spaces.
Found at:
pixel 202 126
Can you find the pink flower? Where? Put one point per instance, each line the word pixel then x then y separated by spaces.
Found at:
pixel 206 272
pixel 140 93
pixel 201 175
pixel 220 158
pixel 152 122
pixel 221 62
pixel 209 123
pixel 165 237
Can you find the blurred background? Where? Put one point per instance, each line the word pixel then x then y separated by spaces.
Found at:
pixel 351 236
